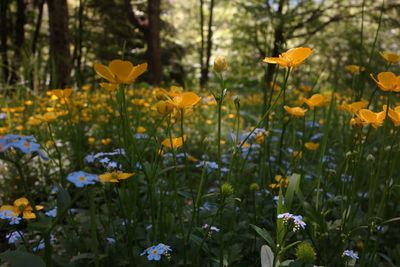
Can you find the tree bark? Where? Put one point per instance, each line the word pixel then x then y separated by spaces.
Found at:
pixel 153 41
pixel 37 27
pixel 59 42
pixel 206 66
pixel 3 37
pixel 19 39
pixel 150 26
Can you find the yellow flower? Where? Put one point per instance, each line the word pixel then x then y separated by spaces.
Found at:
pixel 185 100
pixel 292 58
pixel 387 81
pixel 369 117
pixel 22 206
pixel 220 64
pixel 109 87
pixel 86 87
pixel 356 122
pixel 91 140
pixel 176 142
pixel 355 107
pixel 311 146
pixel 390 57
pixel 114 177
pixel 394 115
pixel 164 107
pixel 61 94
pixel 295 111
pixel 280 182
pixel 316 100
pixel 106 141
pixel 354 68
pixel 120 71
pixel 47 117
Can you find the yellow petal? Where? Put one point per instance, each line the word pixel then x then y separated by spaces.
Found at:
pixel 104 72
pixel 121 69
pixel 110 87
pixel 297 55
pixel 137 71
pixel 23 201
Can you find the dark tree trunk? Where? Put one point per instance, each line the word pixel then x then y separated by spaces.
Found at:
pixel 59 42
pixel 153 41
pixel 206 66
pixel 77 54
pixel 37 27
pixel 150 26
pixel 202 38
pixel 4 34
pixel 19 38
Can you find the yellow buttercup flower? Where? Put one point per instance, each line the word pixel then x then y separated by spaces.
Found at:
pixel 114 177
pixel 311 146
pixel 21 206
pixel 220 64
pixel 394 115
pixel 109 87
pixel 387 81
pixel 61 93
pixel 315 100
pixel 355 107
pixel 47 117
pixel 280 182
pixel 354 68
pixel 164 107
pixel 176 142
pixel 185 100
pixel 120 71
pixel 292 58
pixel 369 117
pixel 295 111
pixel 390 57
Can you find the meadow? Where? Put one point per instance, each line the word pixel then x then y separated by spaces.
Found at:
pixel 119 172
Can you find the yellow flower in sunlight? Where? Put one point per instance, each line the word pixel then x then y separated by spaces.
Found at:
pixel 164 107
pixel 109 87
pixel 220 64
pixel 91 140
pixel 311 146
pixel 355 107
pixel 369 117
pixel 28 102
pixel 106 141
pixel 295 111
pixel 185 100
pixel 354 68
pixel 120 71
pixel 387 81
pixel 61 93
pixel 280 182
pixel 141 129
pixel 390 57
pixel 114 177
pixel 47 117
pixel 86 87
pixel 394 115
pixel 4 130
pixel 292 58
pixel 21 206
pixel 315 100
pixel 176 142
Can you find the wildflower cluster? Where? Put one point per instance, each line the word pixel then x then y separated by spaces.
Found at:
pixel 297 220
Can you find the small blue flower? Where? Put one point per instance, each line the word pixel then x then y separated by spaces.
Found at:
pixel 51 213
pixel 14 220
pixel 14 237
pixel 351 254
pixel 154 253
pixel 25 144
pixel 81 178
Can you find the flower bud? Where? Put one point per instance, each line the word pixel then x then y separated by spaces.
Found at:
pixel 220 64
pixel 305 253
pixel 254 187
pixel 164 107
pixel 226 189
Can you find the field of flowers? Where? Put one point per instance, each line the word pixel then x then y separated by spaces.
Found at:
pixel 120 174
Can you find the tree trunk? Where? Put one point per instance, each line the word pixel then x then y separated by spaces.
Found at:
pixel 206 67
pixel 59 42
pixel 4 34
pixel 153 41
pixel 19 39
pixel 37 27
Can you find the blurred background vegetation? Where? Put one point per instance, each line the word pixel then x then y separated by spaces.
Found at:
pixel 54 43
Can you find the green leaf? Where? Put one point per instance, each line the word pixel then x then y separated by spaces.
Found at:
pixel 21 259
pixel 264 234
pixel 294 185
pixel 63 200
